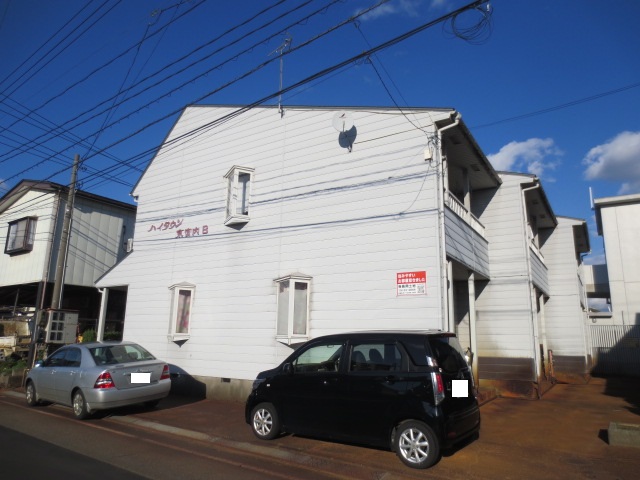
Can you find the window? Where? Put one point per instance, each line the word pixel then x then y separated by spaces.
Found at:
pixel 20 236
pixel 375 357
pixel 73 357
pixel 181 303
pixel 320 358
pixel 238 192
pixel 293 308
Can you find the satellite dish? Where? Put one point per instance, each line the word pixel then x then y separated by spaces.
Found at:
pixel 343 121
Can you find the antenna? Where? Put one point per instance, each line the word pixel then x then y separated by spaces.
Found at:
pixel 286 44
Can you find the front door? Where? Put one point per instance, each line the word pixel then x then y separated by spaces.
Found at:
pixel 46 381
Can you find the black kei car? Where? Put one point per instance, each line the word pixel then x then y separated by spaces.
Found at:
pixel 411 392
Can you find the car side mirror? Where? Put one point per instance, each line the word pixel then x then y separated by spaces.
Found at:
pixel 287 368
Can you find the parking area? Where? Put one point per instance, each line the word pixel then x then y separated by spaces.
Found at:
pixel 562 436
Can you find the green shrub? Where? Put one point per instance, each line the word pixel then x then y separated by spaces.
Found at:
pixel 112 336
pixel 89 335
pixel 11 363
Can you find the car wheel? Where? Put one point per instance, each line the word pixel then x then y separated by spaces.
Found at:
pixel 264 421
pixel 416 444
pixel 32 398
pixel 80 405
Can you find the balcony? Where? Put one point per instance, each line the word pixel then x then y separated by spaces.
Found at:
pixel 459 209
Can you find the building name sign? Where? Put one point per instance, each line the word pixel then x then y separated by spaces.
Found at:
pixel 411 283
pixel 180 232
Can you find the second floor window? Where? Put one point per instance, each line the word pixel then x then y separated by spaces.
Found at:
pixel 239 181
pixel 20 236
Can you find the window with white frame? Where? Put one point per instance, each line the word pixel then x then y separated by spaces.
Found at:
pixel 20 236
pixel 238 181
pixel 293 308
pixel 182 296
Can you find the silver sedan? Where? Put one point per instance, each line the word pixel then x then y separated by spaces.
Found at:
pixel 98 376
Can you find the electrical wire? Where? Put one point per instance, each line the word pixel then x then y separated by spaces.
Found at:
pixel 23 81
pixel 117 57
pixel 45 42
pixel 264 64
pixel 192 64
pixel 294 86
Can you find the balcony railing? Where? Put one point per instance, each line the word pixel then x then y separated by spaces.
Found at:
pixel 459 209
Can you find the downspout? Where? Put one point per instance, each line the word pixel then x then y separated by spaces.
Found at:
pixel 532 303
pixel 104 299
pixel 441 233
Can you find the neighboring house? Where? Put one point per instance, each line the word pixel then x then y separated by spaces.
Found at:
pixel 615 334
pixel 257 231
pixel 618 222
pixel 31 219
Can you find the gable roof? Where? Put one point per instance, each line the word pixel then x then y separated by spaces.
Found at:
pixel 24 186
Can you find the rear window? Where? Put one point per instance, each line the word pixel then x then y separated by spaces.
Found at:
pixel 113 354
pixel 448 353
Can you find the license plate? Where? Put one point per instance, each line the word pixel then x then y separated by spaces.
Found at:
pixel 141 377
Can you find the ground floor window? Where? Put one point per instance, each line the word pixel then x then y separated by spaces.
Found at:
pixel 293 308
pixel 182 296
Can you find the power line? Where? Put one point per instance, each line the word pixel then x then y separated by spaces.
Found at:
pixel 45 42
pixel 175 73
pixel 24 82
pixel 296 85
pixel 93 72
pixel 559 107
pixel 188 81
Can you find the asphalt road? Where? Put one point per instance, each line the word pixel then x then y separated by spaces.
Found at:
pixel 24 457
pixel 563 436
pixel 48 441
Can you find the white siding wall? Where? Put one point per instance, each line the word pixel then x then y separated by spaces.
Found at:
pixel 504 324
pixel 621 230
pixel 350 220
pixel 28 267
pixel 565 318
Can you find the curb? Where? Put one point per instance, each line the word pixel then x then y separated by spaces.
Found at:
pixel 294 457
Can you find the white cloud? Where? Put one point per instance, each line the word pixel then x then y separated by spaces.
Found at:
pixel 396 7
pixel 616 161
pixel 536 156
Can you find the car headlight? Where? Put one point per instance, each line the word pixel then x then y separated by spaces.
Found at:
pixel 256 382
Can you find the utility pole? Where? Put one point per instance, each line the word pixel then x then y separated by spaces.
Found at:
pixel 61 263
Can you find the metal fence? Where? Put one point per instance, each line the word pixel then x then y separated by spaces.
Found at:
pixel 615 350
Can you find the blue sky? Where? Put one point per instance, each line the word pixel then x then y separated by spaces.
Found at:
pixel 548 87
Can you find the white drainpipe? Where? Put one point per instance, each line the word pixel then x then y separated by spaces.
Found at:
pixel 441 201
pixel 532 299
